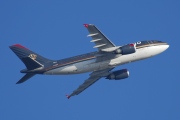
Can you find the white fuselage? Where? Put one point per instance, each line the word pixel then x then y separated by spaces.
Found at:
pixel 92 65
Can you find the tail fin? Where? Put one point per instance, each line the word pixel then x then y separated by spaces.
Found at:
pixel 31 59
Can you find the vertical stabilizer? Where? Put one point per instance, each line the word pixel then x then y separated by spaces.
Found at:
pixel 31 59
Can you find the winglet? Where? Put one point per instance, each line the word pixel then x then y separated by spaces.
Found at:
pixel 68 96
pixel 86 25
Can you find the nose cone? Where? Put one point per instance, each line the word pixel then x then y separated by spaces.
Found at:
pixel 165 46
pixel 162 48
pixel 159 48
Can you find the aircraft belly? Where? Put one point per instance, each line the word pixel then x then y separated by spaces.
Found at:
pixel 97 66
pixel 76 68
pixel 62 70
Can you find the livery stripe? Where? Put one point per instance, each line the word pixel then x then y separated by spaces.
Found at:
pixel 149 45
pixel 69 63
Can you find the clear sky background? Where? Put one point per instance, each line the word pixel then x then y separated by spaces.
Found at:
pixel 55 30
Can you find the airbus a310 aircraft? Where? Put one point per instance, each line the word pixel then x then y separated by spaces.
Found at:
pixel 100 63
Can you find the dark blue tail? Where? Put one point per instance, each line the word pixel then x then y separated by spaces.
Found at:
pixel 31 59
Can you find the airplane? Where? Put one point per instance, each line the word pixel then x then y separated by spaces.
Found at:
pixel 99 63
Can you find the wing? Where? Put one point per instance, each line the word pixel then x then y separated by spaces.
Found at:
pixel 94 76
pixel 100 40
pixel 85 85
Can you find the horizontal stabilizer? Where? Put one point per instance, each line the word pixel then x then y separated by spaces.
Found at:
pixel 25 77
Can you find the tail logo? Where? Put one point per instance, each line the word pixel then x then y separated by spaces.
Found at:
pixel 33 56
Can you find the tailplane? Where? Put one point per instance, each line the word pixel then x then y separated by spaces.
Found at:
pixel 25 77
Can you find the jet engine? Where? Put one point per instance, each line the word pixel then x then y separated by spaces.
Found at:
pixel 126 49
pixel 117 75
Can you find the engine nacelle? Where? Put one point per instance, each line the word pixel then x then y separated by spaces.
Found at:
pixel 126 49
pixel 117 75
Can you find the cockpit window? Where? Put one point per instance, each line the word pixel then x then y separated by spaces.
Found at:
pixel 141 43
pixel 147 43
pixel 156 41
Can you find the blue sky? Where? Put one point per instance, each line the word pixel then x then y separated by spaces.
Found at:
pixel 55 30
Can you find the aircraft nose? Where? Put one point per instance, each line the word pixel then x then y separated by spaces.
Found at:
pixel 164 47
pixel 160 48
